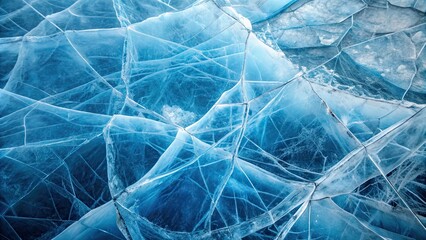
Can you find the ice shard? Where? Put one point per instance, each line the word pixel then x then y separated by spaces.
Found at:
pixel 212 119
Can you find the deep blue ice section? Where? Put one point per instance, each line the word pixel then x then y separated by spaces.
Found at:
pixel 212 119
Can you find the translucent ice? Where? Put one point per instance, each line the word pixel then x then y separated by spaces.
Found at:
pixel 212 119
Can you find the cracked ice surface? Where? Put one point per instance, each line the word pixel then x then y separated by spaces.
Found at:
pixel 224 119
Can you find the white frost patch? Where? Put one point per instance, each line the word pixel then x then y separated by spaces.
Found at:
pixel 345 120
pixel 244 21
pixel 327 40
pixel 178 116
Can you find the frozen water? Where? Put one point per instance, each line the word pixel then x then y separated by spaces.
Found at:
pixel 212 119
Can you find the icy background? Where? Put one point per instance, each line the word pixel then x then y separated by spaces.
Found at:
pixel 225 119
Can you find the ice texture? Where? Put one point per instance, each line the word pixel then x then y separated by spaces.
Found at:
pixel 212 119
